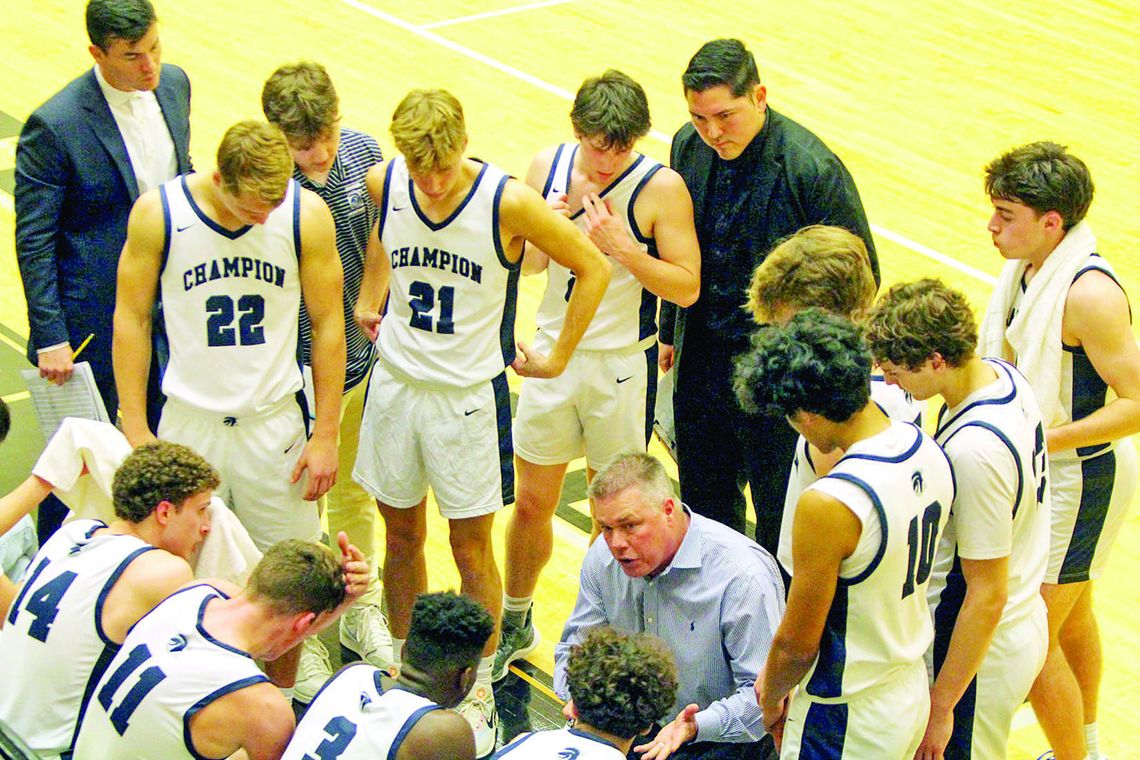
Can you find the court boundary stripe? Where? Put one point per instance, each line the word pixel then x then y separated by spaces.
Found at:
pixel 492 14
pixel 426 33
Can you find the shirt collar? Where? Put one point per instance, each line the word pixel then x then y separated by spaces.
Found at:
pixel 116 97
pixel 689 552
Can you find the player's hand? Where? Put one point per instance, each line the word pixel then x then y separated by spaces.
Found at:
pixel 138 435
pixel 320 459
pixel 665 356
pixel 606 230
pixel 560 204
pixel 569 712
pixel 530 363
pixel 56 365
pixel 938 730
pixel 775 711
pixel 369 323
pixel 680 730
pixel 357 571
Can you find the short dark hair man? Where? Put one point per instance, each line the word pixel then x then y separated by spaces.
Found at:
pixel 1059 314
pixel 755 177
pixel 714 596
pixel 620 684
pixel 111 135
pixel 91 582
pixel 857 623
pixel 412 719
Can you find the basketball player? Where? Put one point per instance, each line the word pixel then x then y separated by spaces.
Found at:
pixel 990 631
pixel 231 253
pixel 1059 313
pixel 356 718
pixel 857 622
pixel 447 251
pixel 333 162
pixel 185 684
pixel 828 268
pixel 91 582
pixel 640 214
pixel 620 684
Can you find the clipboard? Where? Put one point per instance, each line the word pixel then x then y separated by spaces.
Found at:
pixel 78 397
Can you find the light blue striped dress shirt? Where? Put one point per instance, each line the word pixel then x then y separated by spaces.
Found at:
pixel 717 606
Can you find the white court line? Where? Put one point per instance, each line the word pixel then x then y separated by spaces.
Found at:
pixel 427 34
pixel 492 14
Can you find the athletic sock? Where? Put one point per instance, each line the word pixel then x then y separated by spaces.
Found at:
pixel 483 674
pixel 397 650
pixel 1092 740
pixel 514 610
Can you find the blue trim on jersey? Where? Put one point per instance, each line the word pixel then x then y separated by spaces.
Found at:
pixel 405 729
pixel 230 234
pixel 824 731
pixel 106 590
pixel 205 701
pixel 950 602
pixel 515 744
pixel 384 207
pixel 807 455
pixel 1098 476
pixel 1012 452
pixel 510 307
pixel 647 315
pixel 882 513
pixel 613 183
pixel 206 634
pixel 984 402
pixel 458 209
pixel 896 459
pixel 570 170
pixel 637 234
pixel 583 735
pixel 101 663
pixel 827 679
pixel 650 390
pixel 166 227
pixel 506 445
pixel 297 218
pixel 339 673
pixel 550 174
pixel 496 232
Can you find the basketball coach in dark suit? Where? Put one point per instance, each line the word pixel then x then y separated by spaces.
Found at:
pixel 756 177
pixel 82 159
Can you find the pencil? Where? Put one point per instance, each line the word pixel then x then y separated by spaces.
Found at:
pixel 82 346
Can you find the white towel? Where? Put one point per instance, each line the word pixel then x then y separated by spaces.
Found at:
pixel 80 461
pixel 1033 339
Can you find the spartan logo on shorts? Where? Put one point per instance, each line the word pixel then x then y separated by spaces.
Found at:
pixel 916 481
pixel 569 754
pixel 229 421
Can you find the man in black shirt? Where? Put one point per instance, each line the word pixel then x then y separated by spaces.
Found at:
pixel 755 177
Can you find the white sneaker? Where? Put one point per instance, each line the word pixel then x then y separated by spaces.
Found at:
pixel 313 670
pixel 364 630
pixel 479 710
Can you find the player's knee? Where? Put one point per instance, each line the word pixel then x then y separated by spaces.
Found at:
pixel 472 554
pixel 404 543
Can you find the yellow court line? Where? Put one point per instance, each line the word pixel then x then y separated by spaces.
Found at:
pixel 12 398
pixel 5 339
pixel 536 683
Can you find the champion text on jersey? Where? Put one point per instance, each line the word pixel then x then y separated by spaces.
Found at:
pixel 233 266
pixel 414 256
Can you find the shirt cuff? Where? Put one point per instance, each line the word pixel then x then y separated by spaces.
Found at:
pixel 708 726
pixel 44 350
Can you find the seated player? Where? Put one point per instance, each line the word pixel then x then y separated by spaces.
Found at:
pixel 355 718
pixel 185 683
pixel 619 685
pixel 857 622
pixel 91 582
pixel 990 628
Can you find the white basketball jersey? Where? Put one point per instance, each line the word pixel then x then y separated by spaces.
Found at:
pixel 354 718
pixel 168 670
pixel 52 646
pixel 231 302
pixel 895 403
pixel 560 744
pixel 450 317
pixel 627 314
pixel 1002 423
pixel 900 486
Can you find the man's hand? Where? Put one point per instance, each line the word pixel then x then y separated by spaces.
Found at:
pixel 605 230
pixel 369 323
pixel 56 365
pixel 568 711
pixel 775 711
pixel 559 204
pixel 530 363
pixel 937 736
pixel 682 729
pixel 665 356
pixel 320 459
pixel 357 571
pixel 138 434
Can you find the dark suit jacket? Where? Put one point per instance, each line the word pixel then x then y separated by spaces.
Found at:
pixel 74 190
pixel 798 182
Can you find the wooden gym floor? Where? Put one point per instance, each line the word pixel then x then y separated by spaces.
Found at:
pixel 915 98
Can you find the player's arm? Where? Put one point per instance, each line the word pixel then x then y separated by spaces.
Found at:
pixel 377 268
pixel 21 500
pixel 439 735
pixel 524 214
pixel 149 579
pixel 675 274
pixel 139 267
pixel 42 176
pixel 824 533
pixel 1097 318
pixel 256 719
pixel 534 258
pixel 322 283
